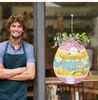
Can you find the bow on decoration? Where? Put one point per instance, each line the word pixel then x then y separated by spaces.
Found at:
pixel 63 37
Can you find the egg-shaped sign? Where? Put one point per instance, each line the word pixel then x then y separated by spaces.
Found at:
pixel 71 63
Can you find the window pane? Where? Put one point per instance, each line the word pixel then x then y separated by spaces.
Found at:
pixel 85 19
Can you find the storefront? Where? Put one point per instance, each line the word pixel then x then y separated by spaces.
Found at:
pixel 61 20
pixel 44 21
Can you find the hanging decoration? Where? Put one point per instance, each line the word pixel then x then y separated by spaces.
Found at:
pixel 60 23
pixel 71 62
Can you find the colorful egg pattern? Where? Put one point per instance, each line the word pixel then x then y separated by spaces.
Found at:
pixel 71 63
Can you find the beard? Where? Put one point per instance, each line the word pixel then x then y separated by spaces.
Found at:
pixel 15 37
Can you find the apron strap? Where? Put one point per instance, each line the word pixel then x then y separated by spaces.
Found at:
pixel 6 48
pixel 24 49
pixel 22 46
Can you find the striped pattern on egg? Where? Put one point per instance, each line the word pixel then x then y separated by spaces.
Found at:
pixel 71 63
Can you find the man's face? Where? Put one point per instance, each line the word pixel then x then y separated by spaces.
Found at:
pixel 16 30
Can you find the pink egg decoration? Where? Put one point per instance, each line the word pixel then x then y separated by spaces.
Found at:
pixel 71 63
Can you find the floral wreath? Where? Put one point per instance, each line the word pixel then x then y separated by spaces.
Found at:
pixel 63 37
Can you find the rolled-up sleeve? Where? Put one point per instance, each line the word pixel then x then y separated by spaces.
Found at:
pixel 30 54
pixel 1 54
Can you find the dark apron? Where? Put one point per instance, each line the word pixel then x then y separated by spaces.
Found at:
pixel 10 89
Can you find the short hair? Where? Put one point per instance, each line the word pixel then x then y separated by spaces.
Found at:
pixel 14 18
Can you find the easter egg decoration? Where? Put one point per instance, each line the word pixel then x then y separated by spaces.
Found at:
pixel 71 62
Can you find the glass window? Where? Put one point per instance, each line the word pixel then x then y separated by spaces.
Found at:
pixel 85 19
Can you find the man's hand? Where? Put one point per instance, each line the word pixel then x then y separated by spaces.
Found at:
pixel 7 73
pixel 1 66
pixel 29 74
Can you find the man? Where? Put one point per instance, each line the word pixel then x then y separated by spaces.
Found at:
pixel 17 62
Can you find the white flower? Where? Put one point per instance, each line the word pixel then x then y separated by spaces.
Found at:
pixel 57 38
pixel 54 38
pixel 73 50
pixel 70 80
